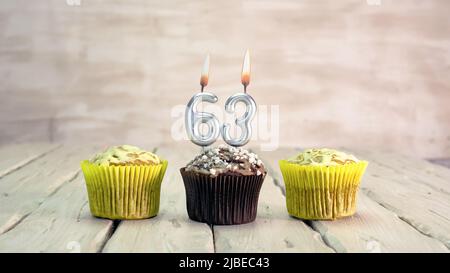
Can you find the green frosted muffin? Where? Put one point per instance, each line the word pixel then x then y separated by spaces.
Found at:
pixel 124 182
pixel 322 184
pixel 125 155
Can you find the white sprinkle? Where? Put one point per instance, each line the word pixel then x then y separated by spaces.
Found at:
pixel 258 172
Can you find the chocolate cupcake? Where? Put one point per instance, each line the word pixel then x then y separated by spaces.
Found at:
pixel 222 186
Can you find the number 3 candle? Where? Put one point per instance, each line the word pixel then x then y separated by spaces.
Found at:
pixel 230 105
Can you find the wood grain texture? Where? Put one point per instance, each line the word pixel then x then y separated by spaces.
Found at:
pixel 432 174
pixel 272 231
pixel 374 228
pixel 403 207
pixel 171 230
pixel 24 190
pixel 62 223
pixel 16 156
pixel 418 170
pixel 412 191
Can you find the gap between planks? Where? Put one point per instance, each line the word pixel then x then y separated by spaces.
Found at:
pixel 290 235
pixel 171 230
pixel 412 180
pixel 20 155
pixel 112 229
pixel 159 234
pixel 28 185
pixel 62 212
pixel 432 246
pixel 55 196
pixel 116 223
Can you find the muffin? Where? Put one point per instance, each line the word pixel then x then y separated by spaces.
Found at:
pixel 322 184
pixel 124 182
pixel 222 185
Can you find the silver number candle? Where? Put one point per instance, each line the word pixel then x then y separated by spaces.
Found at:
pixel 244 122
pixel 194 118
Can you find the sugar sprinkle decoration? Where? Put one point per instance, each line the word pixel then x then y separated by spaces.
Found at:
pixel 226 159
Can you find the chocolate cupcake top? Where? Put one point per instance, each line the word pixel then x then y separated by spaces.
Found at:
pixel 323 157
pixel 226 160
pixel 125 155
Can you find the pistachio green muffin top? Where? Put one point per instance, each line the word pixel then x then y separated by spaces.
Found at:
pixel 323 157
pixel 125 155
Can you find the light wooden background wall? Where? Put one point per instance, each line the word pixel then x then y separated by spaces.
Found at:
pixel 345 73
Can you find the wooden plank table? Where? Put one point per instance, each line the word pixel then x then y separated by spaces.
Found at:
pixel 403 206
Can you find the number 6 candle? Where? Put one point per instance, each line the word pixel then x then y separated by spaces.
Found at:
pixel 194 118
pixel 230 105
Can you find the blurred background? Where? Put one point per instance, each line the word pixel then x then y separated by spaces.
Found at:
pixel 370 74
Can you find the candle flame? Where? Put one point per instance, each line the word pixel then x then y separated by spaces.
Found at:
pixel 205 73
pixel 245 77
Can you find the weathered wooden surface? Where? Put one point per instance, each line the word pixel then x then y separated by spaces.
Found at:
pixel 171 230
pixel 418 193
pixel 26 189
pixel 62 223
pixel 45 209
pixel 272 231
pixel 14 157
pixel 404 206
pixel 376 228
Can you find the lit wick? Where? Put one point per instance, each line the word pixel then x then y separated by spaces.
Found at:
pixel 205 73
pixel 245 77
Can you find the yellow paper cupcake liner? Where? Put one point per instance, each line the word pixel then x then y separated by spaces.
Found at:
pixel 322 192
pixel 123 192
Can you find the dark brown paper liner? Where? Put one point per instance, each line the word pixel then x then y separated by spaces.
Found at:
pixel 222 200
